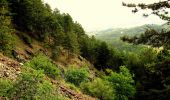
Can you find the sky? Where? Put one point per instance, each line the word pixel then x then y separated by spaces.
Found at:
pixel 95 15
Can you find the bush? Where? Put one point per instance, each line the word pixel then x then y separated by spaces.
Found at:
pixel 122 83
pixel 99 88
pixel 55 53
pixel 5 85
pixel 31 85
pixel 42 62
pixel 76 76
pixel 7 41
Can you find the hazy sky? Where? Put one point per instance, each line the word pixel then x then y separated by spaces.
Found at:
pixel 103 14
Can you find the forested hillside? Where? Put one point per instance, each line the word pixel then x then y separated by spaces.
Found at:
pixel 113 36
pixel 45 55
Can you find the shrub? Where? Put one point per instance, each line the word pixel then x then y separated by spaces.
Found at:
pixel 31 85
pixel 5 85
pixel 7 40
pixel 123 84
pixel 55 53
pixel 76 76
pixel 46 90
pixel 42 62
pixel 99 88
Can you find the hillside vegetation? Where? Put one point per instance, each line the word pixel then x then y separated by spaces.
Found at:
pixel 45 55
pixel 113 36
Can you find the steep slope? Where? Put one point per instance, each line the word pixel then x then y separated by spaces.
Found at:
pixel 10 69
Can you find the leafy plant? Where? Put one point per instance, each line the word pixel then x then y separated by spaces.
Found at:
pixel 123 84
pixel 99 88
pixel 31 85
pixel 41 62
pixel 5 85
pixel 76 76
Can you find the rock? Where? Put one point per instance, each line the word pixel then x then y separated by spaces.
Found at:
pixel 17 69
pixel 15 53
pixel 7 68
pixel 29 52
pixel 81 58
pixel 21 64
pixel 6 74
pixel 17 73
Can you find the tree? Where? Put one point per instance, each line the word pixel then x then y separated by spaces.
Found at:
pixel 102 56
pixel 88 48
pixel 99 88
pixel 123 84
pixel 151 36
pixel 31 16
pixel 6 39
pixel 154 84
pixel 67 23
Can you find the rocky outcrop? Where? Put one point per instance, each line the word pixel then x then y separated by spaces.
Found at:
pixel 9 68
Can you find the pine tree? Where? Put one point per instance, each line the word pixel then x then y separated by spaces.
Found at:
pixel 152 37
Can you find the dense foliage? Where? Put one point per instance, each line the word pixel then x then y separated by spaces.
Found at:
pixel 115 86
pixel 6 38
pixel 154 84
pixel 41 62
pixel 122 83
pixel 29 85
pixel 76 76
pixel 99 88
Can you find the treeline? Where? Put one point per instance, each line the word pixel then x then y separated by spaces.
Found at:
pixel 37 20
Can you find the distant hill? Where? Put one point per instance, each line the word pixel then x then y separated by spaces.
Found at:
pixel 113 35
pixel 118 32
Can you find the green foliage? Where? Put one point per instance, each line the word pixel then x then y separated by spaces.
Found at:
pixel 5 85
pixel 151 36
pixel 41 62
pixel 31 85
pixel 115 59
pixel 76 76
pixel 32 15
pixel 99 88
pixel 114 36
pixel 55 53
pixel 71 43
pixel 102 55
pixel 46 90
pixel 123 84
pixel 132 60
pixel 26 85
pixel 148 55
pixel 156 8
pixel 7 40
pixel 88 48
